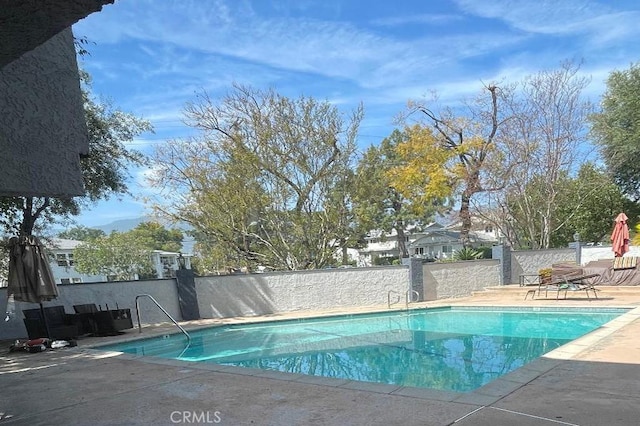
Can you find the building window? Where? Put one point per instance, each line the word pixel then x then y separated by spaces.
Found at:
pixel 488 228
pixel 61 258
pixel 447 249
pixel 419 250
pixel 64 259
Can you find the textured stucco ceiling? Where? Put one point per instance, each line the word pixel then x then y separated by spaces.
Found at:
pixel 26 24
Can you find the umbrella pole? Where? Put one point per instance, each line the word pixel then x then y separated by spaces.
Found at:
pixel 44 320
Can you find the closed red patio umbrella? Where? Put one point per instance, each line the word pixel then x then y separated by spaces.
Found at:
pixel 620 236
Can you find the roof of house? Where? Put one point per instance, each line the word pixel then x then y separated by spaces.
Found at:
pixel 410 229
pixel 64 244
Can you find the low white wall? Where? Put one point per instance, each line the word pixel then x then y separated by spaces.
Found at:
pixel 531 261
pixel 261 294
pixel 598 252
pixel 122 293
pixel 231 295
pixel 459 279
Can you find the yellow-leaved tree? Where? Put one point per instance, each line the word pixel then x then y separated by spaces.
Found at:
pixel 449 156
pixel 425 173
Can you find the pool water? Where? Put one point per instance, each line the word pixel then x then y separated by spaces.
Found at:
pixel 455 349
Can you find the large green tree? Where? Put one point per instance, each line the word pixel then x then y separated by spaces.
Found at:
pixel 340 209
pixel 379 202
pixel 589 205
pixel 586 204
pixel 616 128
pixel 104 170
pixel 120 256
pixel 259 181
pixel 155 236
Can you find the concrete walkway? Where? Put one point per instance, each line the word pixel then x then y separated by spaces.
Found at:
pixel 594 380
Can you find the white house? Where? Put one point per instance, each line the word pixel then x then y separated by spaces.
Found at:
pixel 166 263
pixel 433 241
pixel 62 263
pixel 63 266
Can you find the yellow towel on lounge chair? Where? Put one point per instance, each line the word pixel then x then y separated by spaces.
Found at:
pixel 628 262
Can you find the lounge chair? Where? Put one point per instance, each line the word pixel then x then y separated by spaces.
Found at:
pixel 581 283
pixel 566 284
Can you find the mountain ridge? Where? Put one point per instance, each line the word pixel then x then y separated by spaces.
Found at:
pixel 122 225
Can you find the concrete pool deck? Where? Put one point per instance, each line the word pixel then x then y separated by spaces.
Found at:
pixel 594 380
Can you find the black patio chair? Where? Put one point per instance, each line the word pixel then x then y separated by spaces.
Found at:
pixel 61 325
pixel 104 323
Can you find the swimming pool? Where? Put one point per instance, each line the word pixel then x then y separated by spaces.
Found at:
pixel 455 348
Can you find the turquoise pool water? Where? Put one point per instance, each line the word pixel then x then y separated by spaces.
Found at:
pixel 456 349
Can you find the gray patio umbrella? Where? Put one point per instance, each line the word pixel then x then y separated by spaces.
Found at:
pixel 30 276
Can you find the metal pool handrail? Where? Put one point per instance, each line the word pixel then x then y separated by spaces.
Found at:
pixel 162 309
pixel 389 298
pixel 409 297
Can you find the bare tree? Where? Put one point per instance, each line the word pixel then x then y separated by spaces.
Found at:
pixel 547 135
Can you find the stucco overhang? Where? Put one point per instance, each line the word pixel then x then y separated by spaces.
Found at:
pixel 26 24
pixel 42 126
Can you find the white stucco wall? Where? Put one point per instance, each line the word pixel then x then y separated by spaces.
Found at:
pixel 231 295
pixel 459 279
pixel 597 253
pixel 531 261
pixel 259 294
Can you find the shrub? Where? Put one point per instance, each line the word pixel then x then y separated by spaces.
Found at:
pixel 384 260
pixel 467 253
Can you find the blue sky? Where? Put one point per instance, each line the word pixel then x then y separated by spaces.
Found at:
pixel 150 57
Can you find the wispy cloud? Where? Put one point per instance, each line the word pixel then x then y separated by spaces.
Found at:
pixel 193 46
pixel 600 22
pixel 324 48
pixel 428 19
